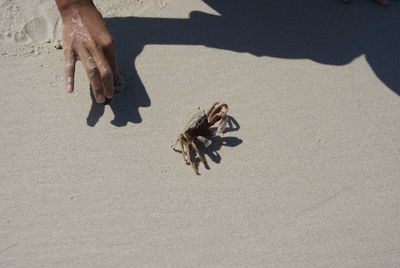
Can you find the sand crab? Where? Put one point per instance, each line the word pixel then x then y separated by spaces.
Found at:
pixel 197 128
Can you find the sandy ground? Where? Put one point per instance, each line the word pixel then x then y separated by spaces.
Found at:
pixel 310 179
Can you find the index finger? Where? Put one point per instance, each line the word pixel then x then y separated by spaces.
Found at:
pixel 70 61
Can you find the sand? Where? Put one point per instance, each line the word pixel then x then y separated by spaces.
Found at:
pixel 310 178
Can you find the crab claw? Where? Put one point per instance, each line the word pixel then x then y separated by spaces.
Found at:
pixel 222 125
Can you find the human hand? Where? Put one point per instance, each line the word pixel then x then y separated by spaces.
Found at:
pixel 86 38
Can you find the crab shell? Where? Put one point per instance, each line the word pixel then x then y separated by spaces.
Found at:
pixel 197 126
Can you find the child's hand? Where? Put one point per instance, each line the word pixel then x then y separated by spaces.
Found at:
pixel 86 38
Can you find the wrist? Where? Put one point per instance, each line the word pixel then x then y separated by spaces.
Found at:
pixel 70 8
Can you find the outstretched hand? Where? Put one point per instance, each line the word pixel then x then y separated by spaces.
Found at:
pixel 87 39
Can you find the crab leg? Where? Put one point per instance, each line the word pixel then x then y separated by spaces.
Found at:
pixel 209 112
pixel 182 142
pixel 217 110
pixel 222 117
pixel 222 124
pixel 173 146
pixel 184 145
pixel 192 158
pixel 201 155
pixel 204 141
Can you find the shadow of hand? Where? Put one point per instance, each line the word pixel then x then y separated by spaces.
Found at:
pixel 125 104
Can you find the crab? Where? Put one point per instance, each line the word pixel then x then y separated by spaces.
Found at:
pixel 197 129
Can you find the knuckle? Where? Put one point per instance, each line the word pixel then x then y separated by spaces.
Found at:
pixel 108 42
pixel 70 66
pixel 94 71
pixel 67 50
pixel 106 74
pixel 90 45
pixel 68 53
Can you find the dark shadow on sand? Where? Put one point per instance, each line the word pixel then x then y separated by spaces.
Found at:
pixel 325 31
pixel 217 142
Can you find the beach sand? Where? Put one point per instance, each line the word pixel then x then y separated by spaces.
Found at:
pixel 310 178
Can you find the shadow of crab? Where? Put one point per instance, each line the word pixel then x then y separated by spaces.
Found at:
pixel 217 142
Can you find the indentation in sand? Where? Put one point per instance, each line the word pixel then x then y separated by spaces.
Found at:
pixel 37 29
pixel 21 37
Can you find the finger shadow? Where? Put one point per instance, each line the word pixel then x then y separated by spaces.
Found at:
pixel 125 105
pixel 96 111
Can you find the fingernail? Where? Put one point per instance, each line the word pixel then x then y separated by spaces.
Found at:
pixel 69 88
pixel 100 98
